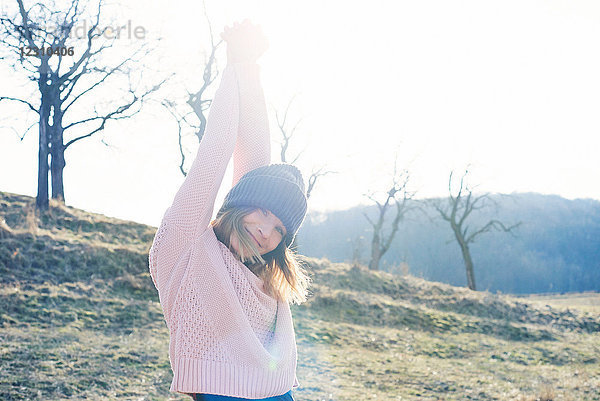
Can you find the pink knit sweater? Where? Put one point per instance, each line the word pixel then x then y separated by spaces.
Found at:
pixel 227 336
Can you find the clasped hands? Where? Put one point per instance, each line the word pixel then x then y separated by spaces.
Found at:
pixel 246 42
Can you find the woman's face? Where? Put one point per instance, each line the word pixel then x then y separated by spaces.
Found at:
pixel 265 228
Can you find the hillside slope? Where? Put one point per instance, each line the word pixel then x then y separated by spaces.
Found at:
pixel 79 318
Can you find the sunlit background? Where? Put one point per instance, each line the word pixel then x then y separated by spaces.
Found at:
pixel 509 88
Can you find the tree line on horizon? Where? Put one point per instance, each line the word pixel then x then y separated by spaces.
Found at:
pixel 556 248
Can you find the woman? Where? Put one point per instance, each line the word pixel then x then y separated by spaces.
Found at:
pixel 225 286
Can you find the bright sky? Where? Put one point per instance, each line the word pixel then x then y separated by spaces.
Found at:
pixel 511 88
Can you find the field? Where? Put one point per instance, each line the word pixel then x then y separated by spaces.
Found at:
pixel 80 319
pixel 585 301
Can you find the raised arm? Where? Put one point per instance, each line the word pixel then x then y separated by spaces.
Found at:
pixel 237 121
pixel 245 44
pixel 253 146
pixel 193 204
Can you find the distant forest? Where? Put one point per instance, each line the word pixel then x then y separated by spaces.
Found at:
pixel 555 249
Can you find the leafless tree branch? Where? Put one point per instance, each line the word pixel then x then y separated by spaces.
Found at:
pixel 117 114
pixel 19 100
pixel 314 176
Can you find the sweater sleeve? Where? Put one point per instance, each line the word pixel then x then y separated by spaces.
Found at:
pixel 193 204
pixel 253 147
pixel 231 119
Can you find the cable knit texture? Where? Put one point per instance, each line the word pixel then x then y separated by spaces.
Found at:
pixel 227 336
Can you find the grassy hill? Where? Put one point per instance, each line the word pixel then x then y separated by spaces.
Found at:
pixel 80 319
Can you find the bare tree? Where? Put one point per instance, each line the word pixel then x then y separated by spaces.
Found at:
pixel 72 76
pixel 397 196
pixel 456 209
pixel 192 116
pixel 287 133
pixel 315 174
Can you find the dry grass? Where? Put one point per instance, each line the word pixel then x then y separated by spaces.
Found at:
pixel 5 230
pixel 584 301
pixel 80 319
pixel 546 393
pixel 31 219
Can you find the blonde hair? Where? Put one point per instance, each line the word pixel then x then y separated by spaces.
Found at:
pixel 281 269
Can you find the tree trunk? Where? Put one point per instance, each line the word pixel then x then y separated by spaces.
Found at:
pixel 57 164
pixel 57 151
pixel 375 253
pixel 464 247
pixel 41 200
pixel 469 266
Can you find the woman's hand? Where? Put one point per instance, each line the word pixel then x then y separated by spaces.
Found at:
pixel 245 42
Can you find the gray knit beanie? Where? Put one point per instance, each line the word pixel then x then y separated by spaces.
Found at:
pixel 278 188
